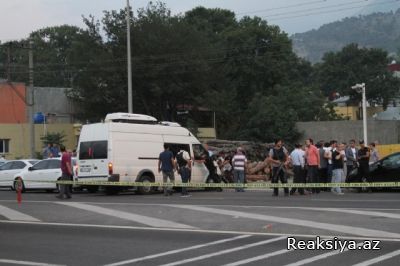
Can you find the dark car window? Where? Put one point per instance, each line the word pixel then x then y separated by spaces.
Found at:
pixel 54 164
pixel 18 165
pixel 6 166
pixel 41 165
pixel 392 161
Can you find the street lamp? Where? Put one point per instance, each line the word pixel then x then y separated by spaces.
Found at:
pixel 360 88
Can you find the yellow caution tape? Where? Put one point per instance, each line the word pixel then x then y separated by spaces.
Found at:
pixel 224 185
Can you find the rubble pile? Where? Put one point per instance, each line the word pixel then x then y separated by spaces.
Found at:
pixel 257 169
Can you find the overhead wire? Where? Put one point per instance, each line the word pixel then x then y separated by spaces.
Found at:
pixel 283 7
pixel 331 11
pixel 175 60
pixel 349 3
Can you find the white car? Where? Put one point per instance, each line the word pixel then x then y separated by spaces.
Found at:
pixel 9 169
pixel 48 170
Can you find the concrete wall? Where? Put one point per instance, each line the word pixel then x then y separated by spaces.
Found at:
pixel 55 102
pixel 385 132
pixel 18 134
pixel 206 133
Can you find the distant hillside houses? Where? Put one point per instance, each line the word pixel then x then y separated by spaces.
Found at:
pixel 351 112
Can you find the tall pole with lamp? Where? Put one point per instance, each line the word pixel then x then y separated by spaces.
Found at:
pixel 360 88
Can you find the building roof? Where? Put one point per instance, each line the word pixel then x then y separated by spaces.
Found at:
pixel 394 67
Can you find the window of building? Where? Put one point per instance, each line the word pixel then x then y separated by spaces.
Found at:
pixel 4 146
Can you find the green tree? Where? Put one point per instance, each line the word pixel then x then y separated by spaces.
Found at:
pixel 341 70
pixel 244 69
pixel 53 138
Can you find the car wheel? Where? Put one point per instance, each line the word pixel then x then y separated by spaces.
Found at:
pixel 145 190
pixel 19 185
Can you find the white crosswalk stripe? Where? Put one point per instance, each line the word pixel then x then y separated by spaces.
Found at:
pixel 26 263
pixel 320 257
pixel 379 259
pixel 257 258
pixel 177 251
pixel 154 222
pixel 224 251
pixel 351 230
pixel 16 215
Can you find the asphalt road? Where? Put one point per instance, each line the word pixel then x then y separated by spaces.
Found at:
pixel 209 228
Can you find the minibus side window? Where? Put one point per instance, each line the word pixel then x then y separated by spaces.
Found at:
pixel 176 147
pixel 93 150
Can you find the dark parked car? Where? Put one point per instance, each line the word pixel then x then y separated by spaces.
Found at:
pixel 384 170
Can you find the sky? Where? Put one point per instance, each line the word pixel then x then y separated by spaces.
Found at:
pixel 18 18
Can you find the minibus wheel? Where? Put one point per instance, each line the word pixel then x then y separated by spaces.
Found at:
pixel 144 190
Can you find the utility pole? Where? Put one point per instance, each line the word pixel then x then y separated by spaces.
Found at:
pixel 8 62
pixel 128 44
pixel 31 102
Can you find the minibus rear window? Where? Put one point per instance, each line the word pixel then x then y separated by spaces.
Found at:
pixel 93 150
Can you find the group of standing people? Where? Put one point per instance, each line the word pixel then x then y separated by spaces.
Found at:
pixel 325 162
pixel 51 151
pixel 168 164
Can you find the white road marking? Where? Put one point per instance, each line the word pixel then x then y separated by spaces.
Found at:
pixel 261 257
pixel 16 215
pixel 320 257
pixel 379 259
pixel 217 205
pixel 298 222
pixel 178 250
pixel 224 252
pixel 128 216
pixel 122 227
pixel 348 200
pixel 20 262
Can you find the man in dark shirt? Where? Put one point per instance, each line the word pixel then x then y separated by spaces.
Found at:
pixel 278 159
pixel 363 163
pixel 66 170
pixel 166 165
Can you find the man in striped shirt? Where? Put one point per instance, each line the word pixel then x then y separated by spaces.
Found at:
pixel 239 165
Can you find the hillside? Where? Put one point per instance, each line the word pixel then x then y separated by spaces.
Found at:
pixel 379 30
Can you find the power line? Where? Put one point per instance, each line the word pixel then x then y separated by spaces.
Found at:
pixel 282 7
pixel 331 11
pixel 316 8
pixel 177 62
pixel 170 56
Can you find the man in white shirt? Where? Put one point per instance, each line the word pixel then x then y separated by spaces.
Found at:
pixel 184 165
pixel 239 165
pixel 297 159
